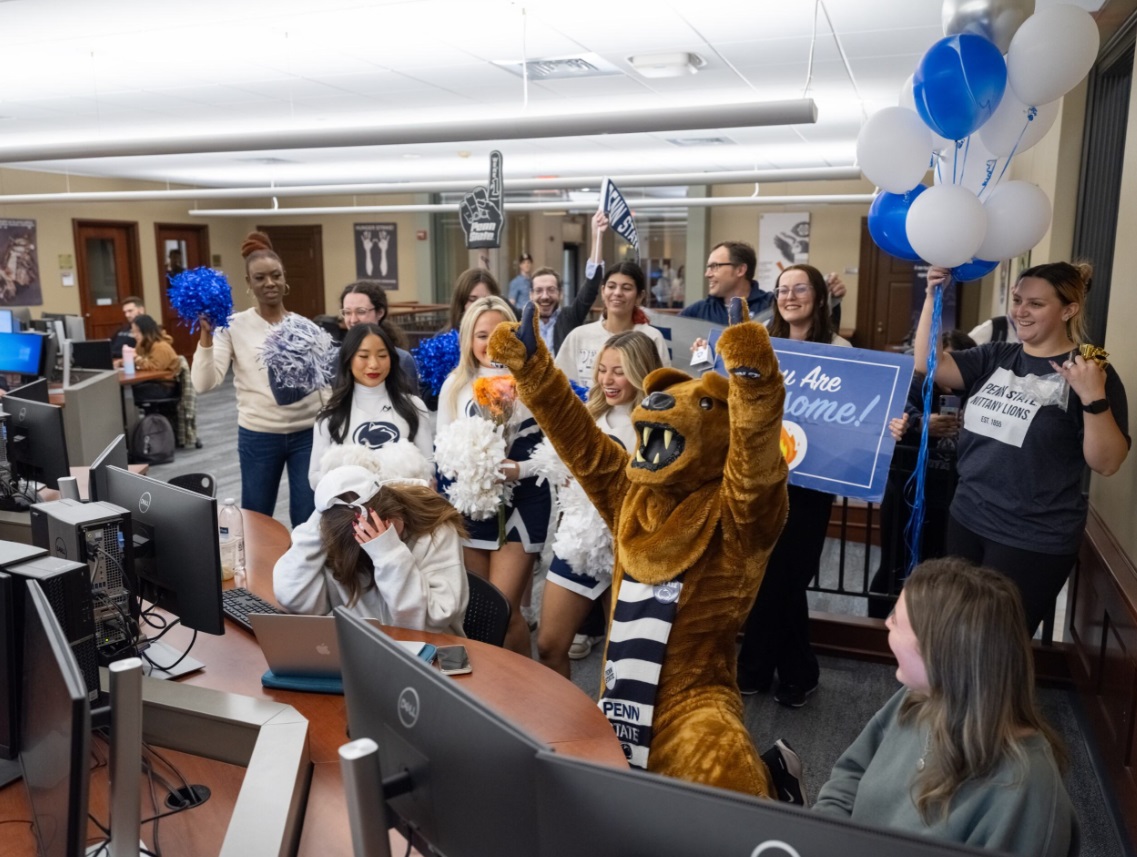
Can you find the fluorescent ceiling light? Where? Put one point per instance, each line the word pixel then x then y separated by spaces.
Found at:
pixel 673 64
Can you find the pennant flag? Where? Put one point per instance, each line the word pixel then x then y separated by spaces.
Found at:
pixel 613 204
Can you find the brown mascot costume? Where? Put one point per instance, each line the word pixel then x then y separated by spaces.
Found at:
pixel 695 514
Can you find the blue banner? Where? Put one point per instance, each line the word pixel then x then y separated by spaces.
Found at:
pixel 619 215
pixel 838 403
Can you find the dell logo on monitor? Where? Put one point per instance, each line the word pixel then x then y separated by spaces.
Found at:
pixel 144 503
pixel 408 707
pixel 775 846
pixel 23 414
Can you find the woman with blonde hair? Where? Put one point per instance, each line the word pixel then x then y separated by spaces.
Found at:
pixel 1036 413
pixel 961 752
pixel 388 549
pixel 507 563
pixel 581 570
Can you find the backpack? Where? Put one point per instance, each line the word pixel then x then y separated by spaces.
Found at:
pixel 153 441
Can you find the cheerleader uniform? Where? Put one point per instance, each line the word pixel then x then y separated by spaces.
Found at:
pixel 592 582
pixel 373 423
pixel 527 514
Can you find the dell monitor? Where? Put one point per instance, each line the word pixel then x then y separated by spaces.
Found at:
pixel 114 455
pixel 472 788
pixel 176 559
pixel 37 445
pixel 55 732
pixel 92 354
pixel 22 353
pixel 33 391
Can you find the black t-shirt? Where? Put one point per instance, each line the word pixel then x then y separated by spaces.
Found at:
pixel 1020 449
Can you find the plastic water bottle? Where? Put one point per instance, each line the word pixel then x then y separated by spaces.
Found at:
pixel 231 540
pixel 127 360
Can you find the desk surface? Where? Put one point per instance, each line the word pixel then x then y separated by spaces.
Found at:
pixel 547 706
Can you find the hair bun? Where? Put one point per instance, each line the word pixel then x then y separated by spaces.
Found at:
pixel 253 242
pixel 1086 272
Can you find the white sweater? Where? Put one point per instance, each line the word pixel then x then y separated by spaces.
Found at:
pixel 373 423
pixel 577 354
pixel 420 584
pixel 257 410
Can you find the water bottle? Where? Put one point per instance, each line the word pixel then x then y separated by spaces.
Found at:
pixel 127 360
pixel 231 540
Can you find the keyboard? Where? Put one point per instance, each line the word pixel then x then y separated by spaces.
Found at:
pixel 239 603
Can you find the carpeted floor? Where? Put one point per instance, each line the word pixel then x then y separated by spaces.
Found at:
pixel 850 692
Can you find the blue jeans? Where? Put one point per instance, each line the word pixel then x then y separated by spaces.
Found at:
pixel 263 457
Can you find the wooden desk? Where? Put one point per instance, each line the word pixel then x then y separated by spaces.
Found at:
pixel 547 706
pixel 144 375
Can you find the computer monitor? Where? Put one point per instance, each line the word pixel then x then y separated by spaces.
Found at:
pixel 472 774
pixel 8 323
pixel 22 353
pixel 92 354
pixel 55 732
pixel 23 316
pixel 665 817
pixel 33 391
pixel 9 711
pixel 115 455
pixel 37 444
pixel 53 316
pixel 43 325
pixel 74 328
pixel 176 559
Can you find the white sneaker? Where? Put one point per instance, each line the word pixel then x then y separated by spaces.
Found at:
pixel 581 647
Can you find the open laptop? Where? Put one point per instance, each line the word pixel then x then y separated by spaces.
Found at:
pixel 306 646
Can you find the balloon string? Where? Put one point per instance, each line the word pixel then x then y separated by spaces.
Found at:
pixel 1030 114
pixel 966 149
pixel 914 531
pixel 955 163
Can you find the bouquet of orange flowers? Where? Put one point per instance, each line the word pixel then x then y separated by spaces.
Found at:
pixel 495 397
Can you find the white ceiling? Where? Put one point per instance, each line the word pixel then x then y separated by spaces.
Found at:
pixel 103 70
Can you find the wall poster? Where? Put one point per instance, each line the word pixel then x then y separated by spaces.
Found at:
pixel 783 240
pixel 19 264
pixel 377 253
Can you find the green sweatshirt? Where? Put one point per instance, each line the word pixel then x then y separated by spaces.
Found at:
pixel 871 783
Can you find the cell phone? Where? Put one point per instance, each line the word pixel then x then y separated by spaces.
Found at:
pixel 453 660
pixel 949 405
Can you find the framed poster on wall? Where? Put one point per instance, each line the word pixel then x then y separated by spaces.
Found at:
pixel 19 264
pixel 377 253
pixel 783 239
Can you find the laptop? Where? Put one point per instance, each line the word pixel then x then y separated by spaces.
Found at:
pixel 306 646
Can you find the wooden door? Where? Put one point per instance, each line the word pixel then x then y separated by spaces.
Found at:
pixel 181 247
pixel 110 269
pixel 884 297
pixel 301 249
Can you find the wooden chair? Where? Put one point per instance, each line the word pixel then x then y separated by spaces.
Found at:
pixel 487 613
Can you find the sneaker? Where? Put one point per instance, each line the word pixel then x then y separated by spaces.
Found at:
pixel 792 695
pixel 581 647
pixel 749 686
pixel 785 772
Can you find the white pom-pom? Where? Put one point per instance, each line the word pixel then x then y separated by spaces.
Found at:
pixel 549 465
pixel 583 539
pixel 470 451
pixel 399 460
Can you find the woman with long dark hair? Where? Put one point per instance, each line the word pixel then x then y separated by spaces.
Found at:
pixel 961 752
pixel 153 352
pixel 370 404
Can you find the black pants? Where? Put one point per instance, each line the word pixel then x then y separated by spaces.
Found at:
pixel 777 630
pixel 1039 576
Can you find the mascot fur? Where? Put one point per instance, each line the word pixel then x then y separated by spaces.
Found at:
pixel 702 500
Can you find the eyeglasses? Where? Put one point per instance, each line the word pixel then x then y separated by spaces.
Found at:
pixel 714 266
pixel 358 313
pixel 798 291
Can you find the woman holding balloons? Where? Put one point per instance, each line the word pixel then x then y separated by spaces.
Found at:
pixel 1037 413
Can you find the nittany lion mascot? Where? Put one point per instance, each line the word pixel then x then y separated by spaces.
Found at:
pixel 695 514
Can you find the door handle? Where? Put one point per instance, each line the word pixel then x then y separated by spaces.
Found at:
pixel 880 327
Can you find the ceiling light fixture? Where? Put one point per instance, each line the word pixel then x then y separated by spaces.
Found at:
pixel 745 114
pixel 673 64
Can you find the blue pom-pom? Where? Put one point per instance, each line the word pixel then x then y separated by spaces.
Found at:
pixel 580 390
pixel 436 358
pixel 201 292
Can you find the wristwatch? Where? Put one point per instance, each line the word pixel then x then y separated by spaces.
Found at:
pixel 1097 406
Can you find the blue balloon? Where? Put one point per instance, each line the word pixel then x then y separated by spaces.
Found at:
pixel 976 269
pixel 958 84
pixel 887 216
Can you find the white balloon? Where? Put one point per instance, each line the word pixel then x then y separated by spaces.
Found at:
pixel 894 149
pixel 908 102
pixel 946 225
pixel 1018 215
pixel 1051 52
pixel 969 164
pixel 1012 120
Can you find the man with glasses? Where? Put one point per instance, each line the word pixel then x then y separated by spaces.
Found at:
pixel 365 302
pixel 730 273
pixel 555 321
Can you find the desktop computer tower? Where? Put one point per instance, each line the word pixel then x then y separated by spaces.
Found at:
pixel 98 535
pixel 68 590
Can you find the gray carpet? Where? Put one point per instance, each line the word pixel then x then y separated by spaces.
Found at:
pixel 850 692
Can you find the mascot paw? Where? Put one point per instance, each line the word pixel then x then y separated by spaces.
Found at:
pixel 512 344
pixel 746 351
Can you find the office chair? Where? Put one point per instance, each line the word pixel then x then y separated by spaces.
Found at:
pixel 487 613
pixel 202 483
pixel 167 406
